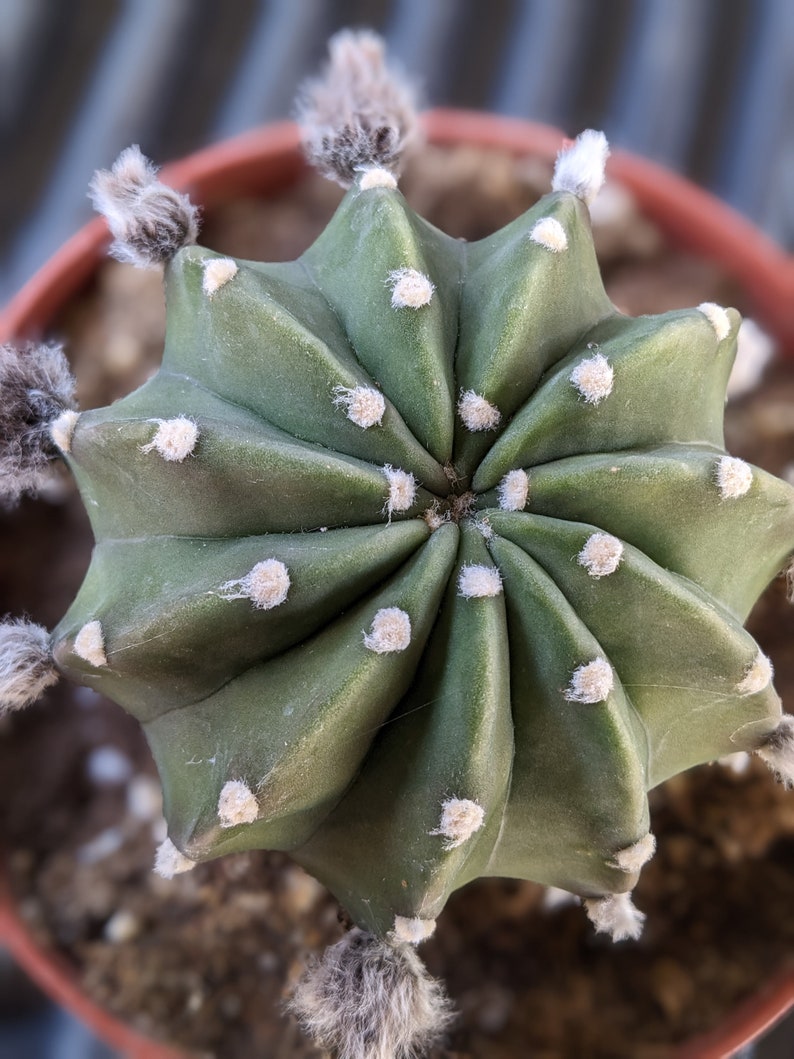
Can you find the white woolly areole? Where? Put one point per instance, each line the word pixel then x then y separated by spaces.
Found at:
pixel 377 178
pixel 736 763
pixel 633 857
pixel 368 999
pixel 734 477
pixel 601 554
pixel 410 289
pixel 460 819
pixel 476 412
pixel 615 914
pixel 476 581
pixel 402 489
pixel 580 167
pixel 237 804
pixel 550 234
pixel 757 676
pixel 591 682
pixel 778 751
pixel 513 491
pixel 26 665
pixel 412 931
pixel 89 644
pixel 217 272
pixel 718 318
pixel 363 405
pixel 267 585
pixel 168 861
pixel 62 428
pixel 175 439
pixel 390 631
pixel 593 378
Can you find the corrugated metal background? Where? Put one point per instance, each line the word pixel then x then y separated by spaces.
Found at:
pixel 704 86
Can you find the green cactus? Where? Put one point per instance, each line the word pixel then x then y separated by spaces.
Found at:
pixel 419 560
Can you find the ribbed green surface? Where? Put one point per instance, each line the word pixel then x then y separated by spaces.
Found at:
pixel 353 753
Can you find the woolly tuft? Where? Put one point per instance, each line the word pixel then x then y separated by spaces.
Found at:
pixel 632 858
pixel 591 682
pixel 601 554
pixel 616 915
pixel 476 412
pixel 237 804
pixel 217 273
pixel 26 665
pixel 580 167
pixel 363 405
pixel 168 861
pixel 149 220
pixel 460 819
pixel 390 631
pixel 550 234
pixel 367 999
pixel 476 581
pixel 267 585
pixel 513 491
pixel 89 644
pixel 402 489
pixel 718 318
pixel 377 178
pixel 174 439
pixel 36 387
pixel 778 751
pixel 734 477
pixel 360 114
pixel 410 289
pixel 757 676
pixel 593 378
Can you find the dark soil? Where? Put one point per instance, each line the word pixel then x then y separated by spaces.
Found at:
pixel 205 959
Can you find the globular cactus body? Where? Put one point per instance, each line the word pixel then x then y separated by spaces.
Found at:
pixel 449 569
pixel 416 559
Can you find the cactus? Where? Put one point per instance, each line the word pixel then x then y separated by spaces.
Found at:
pixel 416 559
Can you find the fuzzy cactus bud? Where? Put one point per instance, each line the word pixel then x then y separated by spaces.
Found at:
pixel 149 220
pixel 26 664
pixel 370 999
pixel 360 116
pixel 36 393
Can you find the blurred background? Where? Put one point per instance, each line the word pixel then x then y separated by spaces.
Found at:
pixel 703 86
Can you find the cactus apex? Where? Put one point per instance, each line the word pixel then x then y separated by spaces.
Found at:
pixel 149 220
pixel 368 999
pixel 26 664
pixel 361 114
pixel 168 861
pixel 615 914
pixel 778 751
pixel 580 166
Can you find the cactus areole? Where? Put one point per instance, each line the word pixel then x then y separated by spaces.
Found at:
pixel 421 561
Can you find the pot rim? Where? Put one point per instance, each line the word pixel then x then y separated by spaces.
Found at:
pixel 690 216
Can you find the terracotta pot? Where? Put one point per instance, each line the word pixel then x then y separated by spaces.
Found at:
pixel 266 160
